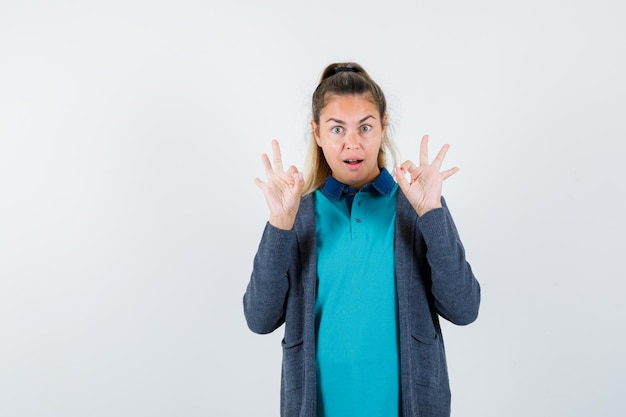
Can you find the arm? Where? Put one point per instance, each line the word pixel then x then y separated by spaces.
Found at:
pixel 264 299
pixel 455 289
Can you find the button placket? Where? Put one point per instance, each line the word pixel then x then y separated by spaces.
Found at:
pixel 357 213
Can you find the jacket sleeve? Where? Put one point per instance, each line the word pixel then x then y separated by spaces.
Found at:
pixel 455 290
pixel 265 297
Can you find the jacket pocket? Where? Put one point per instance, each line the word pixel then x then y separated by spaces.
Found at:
pixel 425 359
pixel 293 364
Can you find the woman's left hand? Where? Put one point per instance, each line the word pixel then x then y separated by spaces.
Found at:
pixel 423 190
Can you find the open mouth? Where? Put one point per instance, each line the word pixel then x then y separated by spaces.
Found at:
pixel 353 161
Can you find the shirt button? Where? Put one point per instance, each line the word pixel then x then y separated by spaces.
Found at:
pixel 358 220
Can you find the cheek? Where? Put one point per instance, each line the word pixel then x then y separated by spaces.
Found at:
pixel 331 152
pixel 329 145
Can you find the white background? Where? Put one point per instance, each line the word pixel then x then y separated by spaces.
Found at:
pixel 130 135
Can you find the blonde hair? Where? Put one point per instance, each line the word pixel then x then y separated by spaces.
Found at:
pixel 341 79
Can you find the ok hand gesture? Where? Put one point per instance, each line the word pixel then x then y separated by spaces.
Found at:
pixel 423 190
pixel 282 190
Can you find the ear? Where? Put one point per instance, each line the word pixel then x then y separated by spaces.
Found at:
pixel 316 133
pixel 384 123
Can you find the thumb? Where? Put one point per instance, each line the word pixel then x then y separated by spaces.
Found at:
pixel 402 181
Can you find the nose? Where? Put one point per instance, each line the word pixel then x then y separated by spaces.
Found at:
pixel 352 141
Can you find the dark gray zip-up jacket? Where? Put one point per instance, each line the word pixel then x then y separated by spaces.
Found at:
pixel 433 279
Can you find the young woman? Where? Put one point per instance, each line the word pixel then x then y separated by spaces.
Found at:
pixel 359 266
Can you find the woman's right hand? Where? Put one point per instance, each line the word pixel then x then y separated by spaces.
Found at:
pixel 282 190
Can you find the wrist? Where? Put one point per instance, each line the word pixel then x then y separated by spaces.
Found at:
pixel 423 210
pixel 282 222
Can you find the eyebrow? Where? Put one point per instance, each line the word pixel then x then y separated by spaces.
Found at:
pixel 341 122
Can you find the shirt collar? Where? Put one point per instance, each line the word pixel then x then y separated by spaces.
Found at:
pixel 383 184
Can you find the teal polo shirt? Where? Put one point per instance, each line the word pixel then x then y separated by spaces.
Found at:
pixel 356 306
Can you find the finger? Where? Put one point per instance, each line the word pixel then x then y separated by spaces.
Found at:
pixel 259 183
pixel 278 162
pixel 269 171
pixel 449 172
pixel 408 166
pixel 295 176
pixel 292 170
pixel 424 150
pixel 411 172
pixel 438 161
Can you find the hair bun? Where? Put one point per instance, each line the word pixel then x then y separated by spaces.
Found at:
pixel 336 70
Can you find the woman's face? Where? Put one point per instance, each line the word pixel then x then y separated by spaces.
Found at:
pixel 350 133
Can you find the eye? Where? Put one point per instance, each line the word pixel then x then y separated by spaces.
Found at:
pixel 337 129
pixel 366 128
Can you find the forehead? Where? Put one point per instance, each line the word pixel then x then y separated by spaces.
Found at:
pixel 357 104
